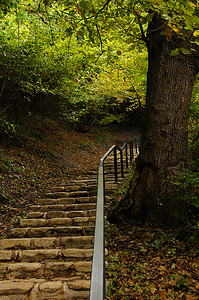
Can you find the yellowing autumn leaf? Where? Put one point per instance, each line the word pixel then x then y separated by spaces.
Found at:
pixel 196 33
pixel 175 28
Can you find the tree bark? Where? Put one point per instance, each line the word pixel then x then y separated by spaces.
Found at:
pixel 164 145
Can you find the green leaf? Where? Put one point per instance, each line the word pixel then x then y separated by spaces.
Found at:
pixel 189 24
pixel 185 51
pixel 175 52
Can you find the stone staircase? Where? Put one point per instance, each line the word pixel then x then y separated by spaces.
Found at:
pixel 49 254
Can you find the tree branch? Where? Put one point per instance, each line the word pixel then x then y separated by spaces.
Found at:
pixel 107 2
pixel 101 45
pixel 142 30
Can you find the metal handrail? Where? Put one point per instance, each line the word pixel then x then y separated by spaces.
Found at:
pixel 97 288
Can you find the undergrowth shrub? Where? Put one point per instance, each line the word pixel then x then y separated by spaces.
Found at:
pixel 7 129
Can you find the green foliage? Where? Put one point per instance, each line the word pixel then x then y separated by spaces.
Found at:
pixel 90 54
pixel 12 166
pixel 181 281
pixel 40 54
pixel 6 128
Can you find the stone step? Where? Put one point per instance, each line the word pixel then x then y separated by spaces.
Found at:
pixel 49 201
pixel 110 186
pixel 81 242
pixel 23 270
pixel 41 289
pixel 73 221
pixel 52 249
pixel 41 255
pixel 72 188
pixel 87 177
pixel 91 172
pixel 62 214
pixel 67 194
pixel 81 180
pixel 52 231
pixel 61 207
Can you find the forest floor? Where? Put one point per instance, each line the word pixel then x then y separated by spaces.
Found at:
pixel 144 263
pixel 152 263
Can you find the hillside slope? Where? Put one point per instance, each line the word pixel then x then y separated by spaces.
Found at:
pixel 45 154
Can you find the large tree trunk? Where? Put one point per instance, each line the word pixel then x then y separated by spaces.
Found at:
pixel 164 150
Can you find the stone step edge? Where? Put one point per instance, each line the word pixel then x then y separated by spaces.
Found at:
pixel 41 286
pixel 40 255
pixel 73 221
pixel 71 207
pixel 37 232
pixel 61 214
pixel 46 242
pixel 54 269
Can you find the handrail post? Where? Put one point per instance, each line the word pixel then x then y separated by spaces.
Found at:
pixel 139 138
pixel 136 150
pixel 132 152
pixel 122 167
pixel 115 163
pixel 126 154
pixel 130 149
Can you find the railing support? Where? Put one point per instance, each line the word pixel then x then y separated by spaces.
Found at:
pixel 126 154
pixel 136 145
pixel 115 163
pixel 122 166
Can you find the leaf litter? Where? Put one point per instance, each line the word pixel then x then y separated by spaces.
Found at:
pixel 151 263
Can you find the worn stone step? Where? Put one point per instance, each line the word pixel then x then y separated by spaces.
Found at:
pixel 43 270
pixel 70 214
pixel 65 201
pixel 91 172
pixel 44 255
pixel 110 186
pixel 61 214
pixel 90 199
pixel 61 207
pixel 40 289
pixel 47 243
pixel 52 231
pixel 81 181
pixel 92 193
pixel 88 177
pixel 57 221
pixel 66 188
pixel 89 185
pixel 92 187
pixel 67 194
pixel 50 201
